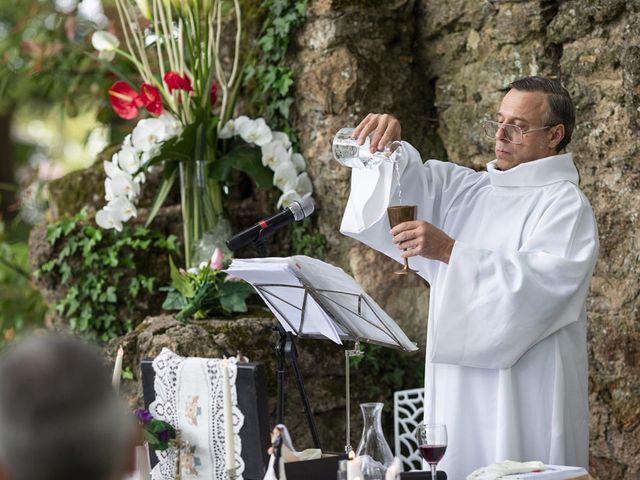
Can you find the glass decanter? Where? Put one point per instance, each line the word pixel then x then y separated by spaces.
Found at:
pixel 349 153
pixel 373 450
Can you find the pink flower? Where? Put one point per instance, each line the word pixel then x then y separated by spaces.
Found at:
pixel 216 260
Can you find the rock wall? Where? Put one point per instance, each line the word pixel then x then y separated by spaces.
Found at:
pixel 442 66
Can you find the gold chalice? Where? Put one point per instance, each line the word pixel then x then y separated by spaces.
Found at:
pixel 399 214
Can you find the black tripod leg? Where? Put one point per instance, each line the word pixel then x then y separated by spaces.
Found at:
pixel 280 353
pixel 290 352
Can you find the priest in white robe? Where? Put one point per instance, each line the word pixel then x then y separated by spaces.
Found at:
pixel 508 253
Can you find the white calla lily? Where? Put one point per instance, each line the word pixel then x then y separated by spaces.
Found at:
pixel 255 131
pixel 273 154
pixel 106 44
pixel 284 176
pixel 303 184
pixel 104 41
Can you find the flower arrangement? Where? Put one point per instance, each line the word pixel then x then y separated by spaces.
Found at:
pixel 190 96
pixel 157 433
pixel 206 290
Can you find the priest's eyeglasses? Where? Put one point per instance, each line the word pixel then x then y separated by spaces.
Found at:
pixel 512 133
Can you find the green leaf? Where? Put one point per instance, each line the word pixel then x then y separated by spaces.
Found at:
pixel 247 159
pixel 180 280
pixel 233 296
pixel 127 374
pixel 174 301
pixel 169 177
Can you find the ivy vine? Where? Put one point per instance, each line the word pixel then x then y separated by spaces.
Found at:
pixel 98 272
pixel 269 78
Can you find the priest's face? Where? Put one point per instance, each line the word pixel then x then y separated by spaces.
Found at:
pixel 526 110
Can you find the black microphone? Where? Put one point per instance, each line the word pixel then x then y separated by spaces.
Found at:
pixel 266 227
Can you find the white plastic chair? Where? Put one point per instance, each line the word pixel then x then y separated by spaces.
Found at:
pixel 408 411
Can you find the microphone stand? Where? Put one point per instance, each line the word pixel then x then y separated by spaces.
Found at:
pixel 286 350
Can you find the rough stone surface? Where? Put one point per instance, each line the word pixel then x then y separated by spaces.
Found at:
pixel 440 67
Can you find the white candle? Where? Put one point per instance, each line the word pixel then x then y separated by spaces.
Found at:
pixel 230 448
pixel 394 470
pixel 353 469
pixel 117 370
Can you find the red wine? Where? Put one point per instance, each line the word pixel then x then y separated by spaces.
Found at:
pixel 432 453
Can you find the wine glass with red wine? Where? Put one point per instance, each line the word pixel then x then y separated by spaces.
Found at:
pixel 432 442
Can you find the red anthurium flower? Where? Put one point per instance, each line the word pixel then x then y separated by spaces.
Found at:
pixel 125 100
pixel 175 81
pixel 214 92
pixel 150 96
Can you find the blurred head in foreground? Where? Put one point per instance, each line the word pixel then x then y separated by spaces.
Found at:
pixel 59 416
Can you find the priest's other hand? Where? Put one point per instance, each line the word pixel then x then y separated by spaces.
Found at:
pixel 422 238
pixel 385 128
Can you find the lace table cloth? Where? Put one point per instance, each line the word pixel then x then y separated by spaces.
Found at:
pixel 189 396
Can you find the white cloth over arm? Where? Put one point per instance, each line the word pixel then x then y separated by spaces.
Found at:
pixel 432 187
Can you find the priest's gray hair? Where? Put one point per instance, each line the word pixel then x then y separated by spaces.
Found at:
pixel 561 108
pixel 59 415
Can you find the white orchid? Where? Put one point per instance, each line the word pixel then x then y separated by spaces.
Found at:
pixel 111 168
pixel 122 209
pixel 148 133
pixel 255 131
pixel 105 218
pixel 273 154
pixel 288 198
pixel 172 125
pixel 128 160
pixel 298 161
pixel 108 191
pixel 106 44
pixel 303 184
pixel 230 128
pixel 283 138
pixel 122 188
pixel 141 177
pixel 284 176
pixel 122 185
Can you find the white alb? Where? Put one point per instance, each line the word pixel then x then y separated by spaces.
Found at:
pixel 506 361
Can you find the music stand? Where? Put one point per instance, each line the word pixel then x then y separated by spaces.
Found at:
pixel 313 299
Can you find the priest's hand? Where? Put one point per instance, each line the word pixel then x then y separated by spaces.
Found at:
pixel 385 128
pixel 422 238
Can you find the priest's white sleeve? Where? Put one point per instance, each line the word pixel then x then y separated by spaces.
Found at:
pixel 432 186
pixel 494 306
